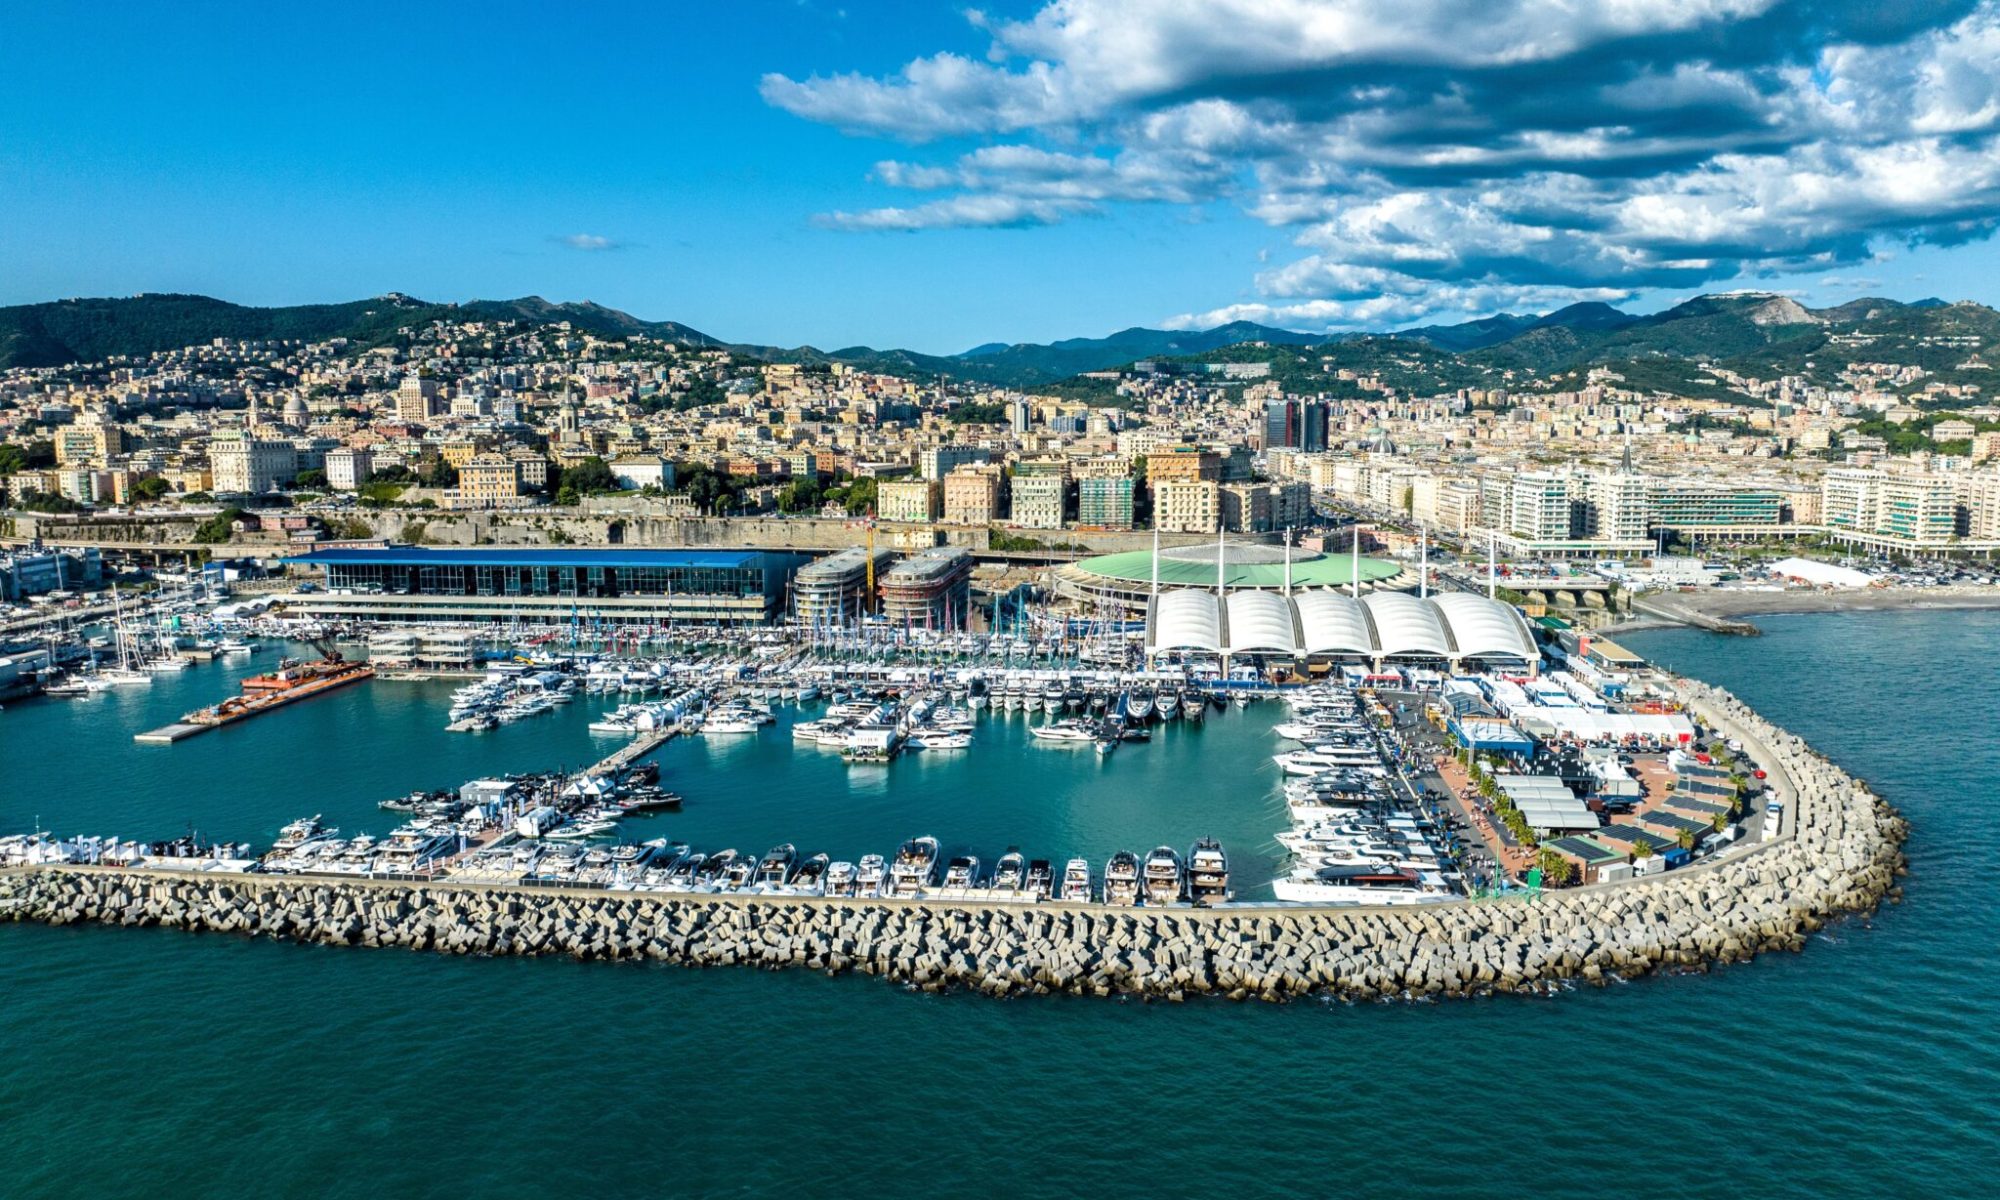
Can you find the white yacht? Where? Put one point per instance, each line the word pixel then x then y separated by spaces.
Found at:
pixel 915 868
pixel 1076 884
pixel 1361 885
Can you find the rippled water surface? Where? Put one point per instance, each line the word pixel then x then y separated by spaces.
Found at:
pixel 205 1064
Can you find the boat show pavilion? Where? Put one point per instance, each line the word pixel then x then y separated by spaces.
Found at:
pixel 614 584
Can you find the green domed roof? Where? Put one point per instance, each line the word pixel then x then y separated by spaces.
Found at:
pixel 1244 566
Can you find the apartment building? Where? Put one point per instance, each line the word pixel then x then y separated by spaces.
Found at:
pixel 486 481
pixel 1104 502
pixel 1187 506
pixel 917 500
pixel 244 465
pixel 937 462
pixel 1038 500
pixel 972 495
pixel 415 398
pixel 347 468
pixel 1183 463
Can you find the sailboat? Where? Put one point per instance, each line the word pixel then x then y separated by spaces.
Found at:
pixel 127 671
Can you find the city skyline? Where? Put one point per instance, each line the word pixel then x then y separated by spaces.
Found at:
pixel 799 173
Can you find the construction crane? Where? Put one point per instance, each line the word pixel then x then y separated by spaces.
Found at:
pixel 328 652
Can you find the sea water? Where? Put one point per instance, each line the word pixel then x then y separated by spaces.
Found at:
pixel 182 1064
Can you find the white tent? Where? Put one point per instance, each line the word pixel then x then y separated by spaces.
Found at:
pixel 1820 574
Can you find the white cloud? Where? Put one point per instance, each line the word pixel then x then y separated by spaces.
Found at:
pixel 588 241
pixel 1427 155
pixel 958 212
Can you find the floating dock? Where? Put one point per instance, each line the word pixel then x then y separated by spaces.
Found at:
pixel 637 749
pixel 167 735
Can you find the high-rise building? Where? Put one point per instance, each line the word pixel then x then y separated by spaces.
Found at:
pixel 1539 507
pixel 1019 415
pixel 1619 506
pixel 415 397
pixel 1295 425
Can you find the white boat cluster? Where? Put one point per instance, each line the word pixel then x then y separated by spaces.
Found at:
pixel 918 870
pixel 1354 839
pixel 505 697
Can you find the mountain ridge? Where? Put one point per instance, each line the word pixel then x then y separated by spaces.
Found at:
pixel 1707 327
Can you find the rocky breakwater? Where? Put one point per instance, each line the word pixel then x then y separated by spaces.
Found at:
pixel 1841 857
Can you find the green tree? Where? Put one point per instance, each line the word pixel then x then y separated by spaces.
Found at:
pixel 589 477
pixel 439 473
pixel 1555 868
pixel 216 529
pixel 566 496
pixel 29 456
pixel 151 488
pixel 311 478
pixel 861 496
pixel 800 495
pixel 48 502
pixel 1641 850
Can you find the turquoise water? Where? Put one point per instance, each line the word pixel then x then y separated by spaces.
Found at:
pixel 199 1064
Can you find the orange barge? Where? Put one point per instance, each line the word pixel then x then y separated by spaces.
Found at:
pixel 291 682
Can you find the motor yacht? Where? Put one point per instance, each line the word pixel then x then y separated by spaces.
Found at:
pixel 1076 882
pixel 1121 879
pixel 1361 884
pixel 1162 876
pixel 915 868
pixel 1208 873
pixel 776 868
pixel 840 878
pixel 811 879
pixel 1062 731
pixel 962 872
pixel 1040 879
pixel 871 875
pixel 1009 874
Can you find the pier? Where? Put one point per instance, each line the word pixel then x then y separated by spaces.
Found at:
pixel 638 748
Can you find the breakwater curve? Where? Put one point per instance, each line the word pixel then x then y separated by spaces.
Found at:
pixel 1840 856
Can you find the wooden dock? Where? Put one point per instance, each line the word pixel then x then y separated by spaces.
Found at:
pixel 167 735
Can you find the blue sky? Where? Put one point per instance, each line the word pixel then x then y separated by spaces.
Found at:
pixel 924 176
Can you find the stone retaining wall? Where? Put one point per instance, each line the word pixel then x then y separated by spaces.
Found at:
pixel 1841 857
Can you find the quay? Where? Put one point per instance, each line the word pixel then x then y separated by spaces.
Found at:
pixel 1839 854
